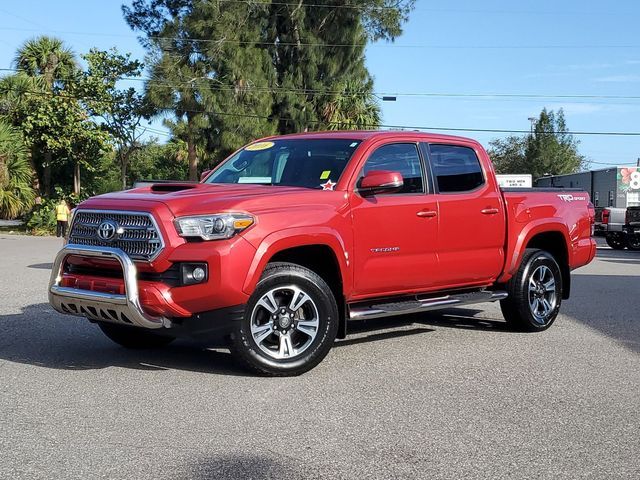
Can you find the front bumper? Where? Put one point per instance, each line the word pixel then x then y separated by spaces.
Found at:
pixel 124 309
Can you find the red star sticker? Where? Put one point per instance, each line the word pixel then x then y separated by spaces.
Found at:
pixel 329 185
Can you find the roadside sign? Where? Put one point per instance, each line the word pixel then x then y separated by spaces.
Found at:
pixel 515 181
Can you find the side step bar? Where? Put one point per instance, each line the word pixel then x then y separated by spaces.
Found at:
pixel 417 305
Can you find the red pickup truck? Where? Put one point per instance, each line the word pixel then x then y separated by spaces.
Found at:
pixel 291 237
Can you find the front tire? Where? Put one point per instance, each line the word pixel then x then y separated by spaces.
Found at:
pixel 133 337
pixel 290 323
pixel 617 241
pixel 535 293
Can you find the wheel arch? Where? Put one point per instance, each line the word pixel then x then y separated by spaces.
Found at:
pixel 554 243
pixel 323 253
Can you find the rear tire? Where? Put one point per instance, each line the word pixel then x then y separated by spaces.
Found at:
pixel 633 241
pixel 290 322
pixel 535 293
pixel 133 337
pixel 617 241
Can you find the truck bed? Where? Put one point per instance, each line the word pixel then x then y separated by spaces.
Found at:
pixel 530 211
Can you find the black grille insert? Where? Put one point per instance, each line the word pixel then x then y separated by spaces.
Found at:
pixel 138 234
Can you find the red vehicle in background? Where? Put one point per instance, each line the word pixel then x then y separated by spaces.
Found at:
pixel 291 237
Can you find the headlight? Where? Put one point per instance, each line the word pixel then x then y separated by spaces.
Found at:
pixel 213 227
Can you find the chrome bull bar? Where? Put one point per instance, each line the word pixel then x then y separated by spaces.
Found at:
pixel 101 306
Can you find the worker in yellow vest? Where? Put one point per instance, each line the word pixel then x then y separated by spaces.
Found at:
pixel 62 216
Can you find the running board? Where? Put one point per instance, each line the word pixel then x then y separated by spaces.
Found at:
pixel 417 305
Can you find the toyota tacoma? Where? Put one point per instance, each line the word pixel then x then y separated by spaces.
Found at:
pixel 292 237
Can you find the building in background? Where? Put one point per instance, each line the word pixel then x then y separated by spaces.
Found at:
pixel 612 187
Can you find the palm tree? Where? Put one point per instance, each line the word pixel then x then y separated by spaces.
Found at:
pixel 15 93
pixel 175 88
pixel 354 107
pixel 49 60
pixel 16 194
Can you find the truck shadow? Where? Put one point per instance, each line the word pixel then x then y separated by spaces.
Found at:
pixel 254 466
pixel 608 304
pixel 395 327
pixel 40 336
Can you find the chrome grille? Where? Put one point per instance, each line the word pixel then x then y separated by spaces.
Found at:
pixel 140 237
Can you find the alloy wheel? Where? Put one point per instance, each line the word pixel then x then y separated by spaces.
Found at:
pixel 542 294
pixel 285 322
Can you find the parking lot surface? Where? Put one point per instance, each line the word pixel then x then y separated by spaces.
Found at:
pixel 444 395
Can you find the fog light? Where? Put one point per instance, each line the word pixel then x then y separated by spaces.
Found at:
pixel 199 274
pixel 193 273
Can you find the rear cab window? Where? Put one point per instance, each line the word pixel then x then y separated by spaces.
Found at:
pixel 456 169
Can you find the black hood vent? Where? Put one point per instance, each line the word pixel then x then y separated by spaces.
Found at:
pixel 172 187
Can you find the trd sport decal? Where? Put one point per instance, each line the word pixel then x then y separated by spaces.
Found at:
pixel 571 198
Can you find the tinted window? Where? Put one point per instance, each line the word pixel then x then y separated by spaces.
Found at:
pixel 402 158
pixel 456 169
pixel 310 163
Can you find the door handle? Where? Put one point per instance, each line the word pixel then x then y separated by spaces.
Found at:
pixel 427 213
pixel 489 211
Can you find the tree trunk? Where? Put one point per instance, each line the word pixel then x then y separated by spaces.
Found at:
pixel 124 163
pixel 35 181
pixel 47 172
pixel 76 178
pixel 192 157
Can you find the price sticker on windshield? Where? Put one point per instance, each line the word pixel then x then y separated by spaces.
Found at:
pixel 256 147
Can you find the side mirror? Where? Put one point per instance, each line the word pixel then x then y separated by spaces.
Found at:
pixel 380 181
pixel 204 175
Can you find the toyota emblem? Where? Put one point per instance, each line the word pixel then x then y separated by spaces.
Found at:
pixel 107 230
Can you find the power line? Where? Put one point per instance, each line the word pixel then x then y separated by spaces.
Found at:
pixel 314 92
pixel 313 5
pixel 343 45
pixel 366 126
pixel 157 132
pixel 623 164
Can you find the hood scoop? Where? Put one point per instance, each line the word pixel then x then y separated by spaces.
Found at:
pixel 172 187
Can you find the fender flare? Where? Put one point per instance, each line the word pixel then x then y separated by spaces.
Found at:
pixel 299 237
pixel 515 254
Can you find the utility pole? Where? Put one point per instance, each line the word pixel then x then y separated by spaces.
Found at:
pixel 533 120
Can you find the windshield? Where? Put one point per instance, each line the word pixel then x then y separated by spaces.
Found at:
pixel 310 163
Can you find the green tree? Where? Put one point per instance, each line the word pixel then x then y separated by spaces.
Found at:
pixel 16 193
pixel 509 154
pixel 549 150
pixel 353 107
pixel 64 128
pixel 246 69
pixel 49 60
pixel 314 49
pixel 17 94
pixel 121 111
pixel 179 70
pixel 552 149
pixel 155 161
pixel 238 92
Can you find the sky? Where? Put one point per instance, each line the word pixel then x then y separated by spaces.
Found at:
pixel 547 50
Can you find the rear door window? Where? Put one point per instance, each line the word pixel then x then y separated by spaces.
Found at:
pixel 456 169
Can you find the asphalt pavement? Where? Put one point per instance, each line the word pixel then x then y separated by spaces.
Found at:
pixel 444 395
